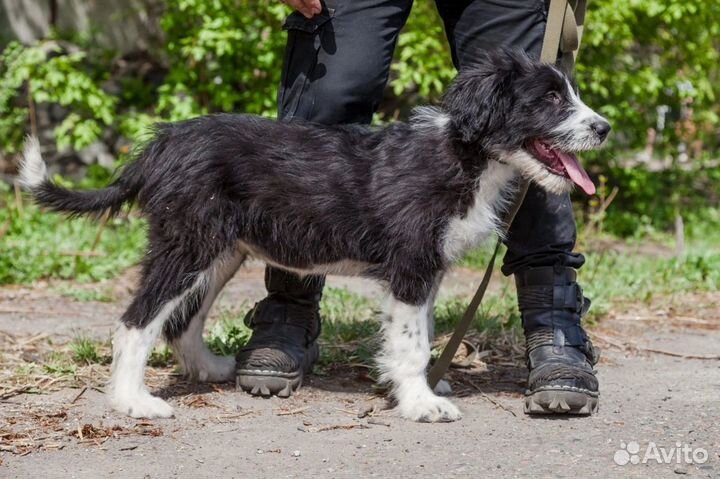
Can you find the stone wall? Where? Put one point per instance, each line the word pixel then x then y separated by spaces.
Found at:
pixel 127 26
pixel 123 25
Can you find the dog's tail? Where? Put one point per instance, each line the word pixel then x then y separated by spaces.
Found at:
pixel 34 177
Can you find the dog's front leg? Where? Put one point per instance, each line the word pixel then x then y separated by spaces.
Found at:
pixel 403 360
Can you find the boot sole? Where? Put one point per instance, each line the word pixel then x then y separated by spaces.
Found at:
pixel 268 383
pixel 562 401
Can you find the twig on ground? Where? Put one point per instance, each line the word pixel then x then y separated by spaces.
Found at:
pixel 9 336
pixel 221 431
pixel 691 319
pixel 331 427
pixel 666 318
pixel 370 407
pixel 605 339
pixel 47 312
pixel 14 392
pixel 493 401
pixel 226 418
pixel 32 339
pixel 378 422
pixel 359 365
pixel 78 395
pixel 346 411
pixel 635 347
pixel 711 357
pixel 197 401
pixel 291 412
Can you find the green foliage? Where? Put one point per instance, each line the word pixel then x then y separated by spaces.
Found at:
pixel 651 200
pixel 87 294
pixel 85 351
pixel 228 335
pixel 342 306
pixel 351 323
pixel 161 357
pixel 347 317
pixel 59 363
pixel 610 276
pixel 613 276
pixel 50 74
pixel 225 55
pixel 422 62
pixel 639 54
pixel 38 244
pixel 497 313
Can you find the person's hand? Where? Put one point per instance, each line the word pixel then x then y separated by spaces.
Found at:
pixel 309 8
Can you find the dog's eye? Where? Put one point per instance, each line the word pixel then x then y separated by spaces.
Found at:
pixel 553 97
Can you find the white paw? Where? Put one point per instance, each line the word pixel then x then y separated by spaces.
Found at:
pixel 142 405
pixel 429 408
pixel 217 369
pixel 443 388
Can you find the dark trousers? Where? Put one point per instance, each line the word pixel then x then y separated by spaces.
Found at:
pixel 337 65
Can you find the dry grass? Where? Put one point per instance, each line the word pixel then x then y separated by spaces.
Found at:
pixel 34 365
pixel 34 429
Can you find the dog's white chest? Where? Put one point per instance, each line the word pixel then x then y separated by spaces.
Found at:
pixel 468 231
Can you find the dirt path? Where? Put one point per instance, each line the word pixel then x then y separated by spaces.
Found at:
pixel 647 398
pixel 42 307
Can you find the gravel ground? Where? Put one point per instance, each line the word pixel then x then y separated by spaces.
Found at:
pixel 648 398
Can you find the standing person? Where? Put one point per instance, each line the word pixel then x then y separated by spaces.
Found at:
pixel 336 66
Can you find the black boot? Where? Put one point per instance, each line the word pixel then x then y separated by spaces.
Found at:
pixel 286 325
pixel 560 356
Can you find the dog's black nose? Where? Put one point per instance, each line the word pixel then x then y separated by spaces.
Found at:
pixel 601 128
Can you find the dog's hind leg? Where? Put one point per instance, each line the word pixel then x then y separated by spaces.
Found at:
pixel 198 362
pixel 170 278
pixel 403 359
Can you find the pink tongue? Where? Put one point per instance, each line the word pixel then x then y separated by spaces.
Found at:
pixel 576 172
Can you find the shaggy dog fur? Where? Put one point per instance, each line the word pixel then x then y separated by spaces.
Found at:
pixel 398 204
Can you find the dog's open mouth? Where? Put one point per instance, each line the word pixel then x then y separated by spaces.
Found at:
pixel 562 163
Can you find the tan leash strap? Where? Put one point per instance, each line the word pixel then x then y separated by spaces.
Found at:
pixel 553 30
pixel 572 31
pixel 443 362
pixel 563 32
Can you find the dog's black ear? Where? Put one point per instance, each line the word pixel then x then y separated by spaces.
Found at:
pixel 480 98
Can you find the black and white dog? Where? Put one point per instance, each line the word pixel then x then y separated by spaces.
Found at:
pixel 399 204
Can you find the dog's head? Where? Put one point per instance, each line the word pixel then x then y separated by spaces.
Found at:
pixel 527 114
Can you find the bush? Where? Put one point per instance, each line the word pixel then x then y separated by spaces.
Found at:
pixel 642 54
pixel 48 73
pixel 226 55
pixel 653 199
